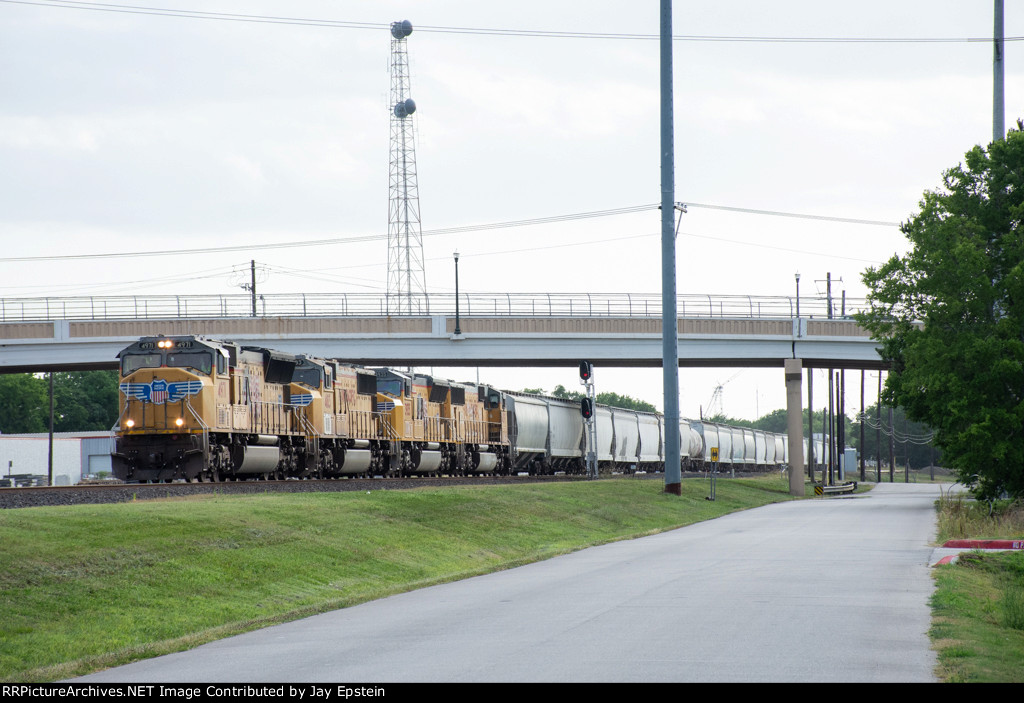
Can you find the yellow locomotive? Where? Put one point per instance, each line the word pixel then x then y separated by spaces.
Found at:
pixel 199 409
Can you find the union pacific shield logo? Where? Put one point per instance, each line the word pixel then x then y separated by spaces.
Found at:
pixel 160 391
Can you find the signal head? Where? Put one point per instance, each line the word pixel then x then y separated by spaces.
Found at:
pixel 586 371
pixel 586 408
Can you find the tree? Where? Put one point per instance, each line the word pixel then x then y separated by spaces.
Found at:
pixel 83 400
pixel 614 400
pixel 950 317
pixel 24 403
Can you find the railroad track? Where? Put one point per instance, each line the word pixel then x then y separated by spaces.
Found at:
pixel 39 496
pixel 36 496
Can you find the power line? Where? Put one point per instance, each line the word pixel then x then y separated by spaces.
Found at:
pixel 463 229
pixel 487 31
pixel 749 211
pixel 338 240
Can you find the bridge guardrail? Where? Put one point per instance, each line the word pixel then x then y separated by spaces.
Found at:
pixel 377 305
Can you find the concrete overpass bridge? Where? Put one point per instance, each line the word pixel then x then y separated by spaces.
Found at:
pixel 45 334
pixel 546 329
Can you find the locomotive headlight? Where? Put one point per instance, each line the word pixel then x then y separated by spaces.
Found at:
pixel 129 424
pixel 164 344
pixel 179 422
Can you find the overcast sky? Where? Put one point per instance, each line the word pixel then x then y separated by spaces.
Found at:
pixel 134 132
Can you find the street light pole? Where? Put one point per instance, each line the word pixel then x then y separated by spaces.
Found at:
pixel 458 330
pixel 798 295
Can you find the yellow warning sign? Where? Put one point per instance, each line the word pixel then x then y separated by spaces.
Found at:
pixel 714 453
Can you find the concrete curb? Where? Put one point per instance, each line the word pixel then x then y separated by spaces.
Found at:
pixel 951 550
pixel 984 544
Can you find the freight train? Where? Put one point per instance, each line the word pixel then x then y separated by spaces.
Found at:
pixel 199 409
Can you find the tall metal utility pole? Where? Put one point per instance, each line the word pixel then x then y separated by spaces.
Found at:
pixel 863 417
pixel 669 319
pixel 998 111
pixel 406 285
pixel 878 431
pixel 892 447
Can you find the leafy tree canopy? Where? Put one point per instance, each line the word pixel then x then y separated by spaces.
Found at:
pixel 950 316
pixel 83 400
pixel 24 403
pixel 613 399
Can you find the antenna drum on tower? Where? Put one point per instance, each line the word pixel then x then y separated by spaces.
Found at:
pixel 405 108
pixel 400 30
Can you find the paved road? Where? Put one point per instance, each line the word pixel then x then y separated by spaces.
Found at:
pixel 816 590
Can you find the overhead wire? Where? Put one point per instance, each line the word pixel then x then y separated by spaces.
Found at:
pixel 891 431
pixel 485 31
pixel 450 230
pixel 52 287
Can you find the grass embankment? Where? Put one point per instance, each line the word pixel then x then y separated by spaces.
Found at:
pixel 87 587
pixel 978 606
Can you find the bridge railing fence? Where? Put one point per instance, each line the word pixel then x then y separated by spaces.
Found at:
pixel 376 305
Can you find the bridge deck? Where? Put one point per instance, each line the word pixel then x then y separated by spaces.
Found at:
pixel 496 340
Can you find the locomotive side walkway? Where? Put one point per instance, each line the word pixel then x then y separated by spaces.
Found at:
pixel 815 590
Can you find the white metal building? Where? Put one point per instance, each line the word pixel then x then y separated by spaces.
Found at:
pixel 75 454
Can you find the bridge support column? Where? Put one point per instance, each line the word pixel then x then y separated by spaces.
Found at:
pixel 795 425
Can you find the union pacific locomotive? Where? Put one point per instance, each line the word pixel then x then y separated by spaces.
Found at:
pixel 199 409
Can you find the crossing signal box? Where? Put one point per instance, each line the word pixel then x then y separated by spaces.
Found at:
pixel 586 371
pixel 587 408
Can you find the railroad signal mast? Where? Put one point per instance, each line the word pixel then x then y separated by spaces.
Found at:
pixel 406 284
pixel 588 408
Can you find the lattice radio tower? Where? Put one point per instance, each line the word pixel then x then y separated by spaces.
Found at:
pixel 406 289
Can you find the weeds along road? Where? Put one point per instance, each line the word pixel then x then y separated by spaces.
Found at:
pixel 814 590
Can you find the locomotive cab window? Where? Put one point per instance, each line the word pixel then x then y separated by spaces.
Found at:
pixel 134 362
pixel 308 376
pixel 391 386
pixel 198 361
